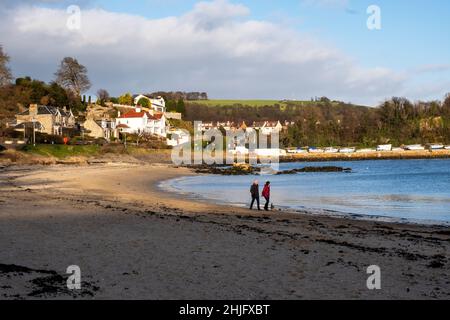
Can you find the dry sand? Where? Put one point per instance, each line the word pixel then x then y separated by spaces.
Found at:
pixel 134 241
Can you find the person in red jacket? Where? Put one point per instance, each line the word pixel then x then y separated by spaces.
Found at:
pixel 266 195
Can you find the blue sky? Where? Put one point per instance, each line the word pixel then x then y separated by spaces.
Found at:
pixel 409 56
pixel 414 32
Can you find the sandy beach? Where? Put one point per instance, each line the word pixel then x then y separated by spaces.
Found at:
pixel 135 241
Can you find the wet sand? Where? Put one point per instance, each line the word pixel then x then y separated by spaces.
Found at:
pixel 134 241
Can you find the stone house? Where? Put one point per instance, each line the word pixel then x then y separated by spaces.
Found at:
pixel 45 119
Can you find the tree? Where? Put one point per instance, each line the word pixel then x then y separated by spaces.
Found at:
pixel 181 107
pixel 446 105
pixel 144 102
pixel 73 76
pixel 5 72
pixel 102 96
pixel 126 99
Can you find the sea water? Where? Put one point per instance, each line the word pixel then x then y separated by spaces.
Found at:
pixel 415 190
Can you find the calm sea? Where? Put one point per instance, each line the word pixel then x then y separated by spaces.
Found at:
pixel 416 190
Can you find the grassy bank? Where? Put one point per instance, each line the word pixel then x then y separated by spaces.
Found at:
pixel 62 151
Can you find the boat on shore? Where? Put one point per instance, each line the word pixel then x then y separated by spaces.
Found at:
pixel 315 150
pixel 436 146
pixel 296 151
pixel 414 147
pixel 331 150
pixel 384 147
pixel 367 150
pixel 347 150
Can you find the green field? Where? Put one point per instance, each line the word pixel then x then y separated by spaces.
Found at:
pixel 252 103
pixel 62 151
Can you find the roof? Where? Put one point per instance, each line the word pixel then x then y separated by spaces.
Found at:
pixel 134 114
pixel 42 110
pixel 37 125
pixel 156 116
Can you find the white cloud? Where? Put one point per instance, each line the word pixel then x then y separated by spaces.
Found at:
pixel 215 48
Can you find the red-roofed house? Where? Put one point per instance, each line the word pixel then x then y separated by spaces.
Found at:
pixel 138 121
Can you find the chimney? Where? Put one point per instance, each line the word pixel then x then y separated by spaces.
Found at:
pixel 33 109
pixel 118 114
pixel 138 108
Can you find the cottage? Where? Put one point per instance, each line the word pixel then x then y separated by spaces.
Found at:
pixel 157 104
pixel 100 128
pixel 45 119
pixel 138 121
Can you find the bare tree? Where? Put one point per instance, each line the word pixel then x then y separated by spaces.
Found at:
pixel 73 76
pixel 102 95
pixel 5 72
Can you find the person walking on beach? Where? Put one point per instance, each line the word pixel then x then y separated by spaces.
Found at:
pixel 254 191
pixel 266 195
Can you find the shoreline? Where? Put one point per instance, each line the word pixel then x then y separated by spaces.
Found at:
pixel 378 155
pixel 165 186
pixel 134 241
pixel 12 157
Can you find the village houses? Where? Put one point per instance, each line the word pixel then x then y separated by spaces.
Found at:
pixel 45 119
pixel 265 127
pixel 139 121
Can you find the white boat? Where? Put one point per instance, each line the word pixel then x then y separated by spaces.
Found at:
pixel 331 150
pixel 314 150
pixel 269 152
pixel 384 147
pixel 414 147
pixel 296 151
pixel 367 150
pixel 436 146
pixel 447 148
pixel 347 150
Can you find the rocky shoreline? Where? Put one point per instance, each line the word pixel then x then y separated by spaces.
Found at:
pixel 245 169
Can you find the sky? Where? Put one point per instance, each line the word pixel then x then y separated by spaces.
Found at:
pixel 238 49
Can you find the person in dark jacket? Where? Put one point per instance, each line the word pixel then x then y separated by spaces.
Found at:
pixel 266 195
pixel 254 191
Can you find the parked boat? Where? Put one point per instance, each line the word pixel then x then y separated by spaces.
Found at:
pixel 331 150
pixel 414 147
pixel 296 151
pixel 316 150
pixel 384 147
pixel 447 148
pixel 367 150
pixel 436 146
pixel 347 150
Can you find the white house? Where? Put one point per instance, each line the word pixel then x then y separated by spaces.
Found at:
pixel 157 104
pixel 138 121
pixel 178 137
pixel 270 127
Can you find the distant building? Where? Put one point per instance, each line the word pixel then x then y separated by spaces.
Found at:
pixel 157 104
pixel 177 137
pixel 45 119
pixel 268 127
